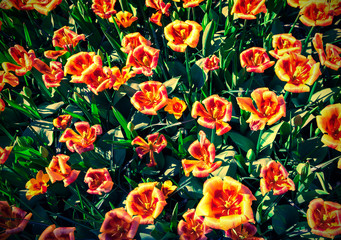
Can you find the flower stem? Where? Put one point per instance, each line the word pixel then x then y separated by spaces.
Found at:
pixel 243 36
pixel 306 40
pixel 211 83
pixel 259 140
pixel 212 135
pixel 293 25
pixel 188 72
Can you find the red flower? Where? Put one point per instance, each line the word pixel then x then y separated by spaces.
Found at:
pixel 145 201
pixel 192 3
pixel 4 153
pixel 118 224
pixel 61 233
pixel 298 71
pixel 283 44
pixel 9 78
pixel 42 6
pixel 124 19
pixel 270 108
pixel 193 228
pixel 216 115
pixel 52 75
pixel 226 203
pixel 152 97
pixel 143 59
pixel 8 4
pixel 331 58
pixel 103 8
pixel 98 180
pixel 168 188
pixel 175 106
pixel 247 9
pixel 161 8
pixel 37 185
pixel 211 64
pixel 324 218
pixel 204 151
pixel 133 40
pixel 121 77
pixel 245 231
pixel 316 13
pixel 155 143
pixel 62 121
pixel 255 59
pixel 275 176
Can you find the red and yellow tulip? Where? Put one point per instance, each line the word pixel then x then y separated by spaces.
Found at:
pixel 37 185
pixel 284 44
pixel 193 228
pixel 248 9
pixel 255 59
pixel 98 180
pixel 51 232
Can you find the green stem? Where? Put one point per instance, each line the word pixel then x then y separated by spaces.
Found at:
pixel 251 81
pixel 293 25
pixel 306 40
pixel 118 30
pixel 286 95
pixel 258 141
pixel 243 36
pixel 212 135
pixel 312 92
pixel 211 83
pixel 4 130
pixel 188 72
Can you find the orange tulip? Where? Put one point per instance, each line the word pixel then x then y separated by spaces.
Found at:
pixel 331 58
pixel 145 201
pixel 335 5
pixel 155 143
pixel 226 203
pixel 216 115
pixel 193 228
pixel 4 154
pixel 103 8
pixel 275 176
pixel 245 231
pixel 211 64
pixel 248 9
pixel 83 141
pixel 143 59
pixel 8 4
pixel 255 59
pixel 324 218
pixel 192 3
pixel 283 44
pixel 133 40
pixel 121 77
pixel 182 34
pixel 98 180
pixel 270 108
pixel 61 233
pixel 124 19
pixel 293 3
pixel 52 75
pixel 204 151
pixel 298 71
pixel 329 122
pixel 58 170
pixel 37 185
pixel 168 188
pixel 62 121
pixel 175 106
pixel 43 6
pixel 9 78
pixel 2 105
pixel 161 8
pixel 152 97
pixel 118 224
pixel 12 220
pixel 316 13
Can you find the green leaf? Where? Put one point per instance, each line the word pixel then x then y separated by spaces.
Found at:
pixel 243 142
pixel 199 77
pixel 207 37
pixel 174 219
pixel 171 84
pixel 132 183
pixel 116 46
pixel 47 109
pixel 122 122
pixel 268 137
pixel 285 217
pixel 190 187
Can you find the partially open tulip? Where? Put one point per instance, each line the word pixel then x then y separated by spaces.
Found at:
pixel 9 78
pixel 316 13
pixel 124 19
pixel 98 180
pixel 331 58
pixel 37 185
pixel 168 188
pixel 52 75
pixel 255 59
pixel 329 122
pixel 145 201
pixel 298 71
pixel 275 176
pixel 143 59
pixel 175 106
pixel 4 154
pixel 103 8
pixel 283 44
pixel 12 220
pixel 152 97
pixel 161 7
pixel 58 170
pixel 192 3
pixel 43 6
pixel 270 108
pixel 182 34
pixel 118 224
pixel 245 231
pixel 83 141
pixel 324 218
pixel 248 9
pixel 193 228
pixel 121 76
pixel 204 153
pixel 8 4
pixel 156 143
pixel 216 113
pixel 133 40
pixel 335 5
pixel 226 203
pixel 62 121
pixel 211 64
pixel 61 233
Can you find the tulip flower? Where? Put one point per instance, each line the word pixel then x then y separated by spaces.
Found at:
pixel 331 58
pixel 298 71
pixel 283 44
pixel 43 7
pixel 324 218
pixel 335 5
pixel 182 34
pixel 245 231
pixel 145 201
pixel 98 180
pixel 61 233
pixel 152 97
pixel 193 228
pixel 161 8
pixel 255 59
pixel 58 170
pixel 62 121
pixel 216 115
pixel 168 188
pixel 211 64
pixel 155 143
pixel 8 4
pixel 121 77
pixel 4 154
pixel 103 8
pixel 175 106
pixel 12 220
pixel 9 78
pixel 83 141
pixel 2 105
pixel 37 185
pixel 143 59
pixel 192 3
pixel 204 151
pixel 133 40
pixel 124 19
pixel 270 108
pixel 316 13
pixel 275 176
pixel 248 9
pixel 118 224
pixel 226 203
pixel 329 122
pixel 52 75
